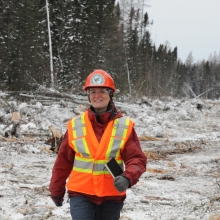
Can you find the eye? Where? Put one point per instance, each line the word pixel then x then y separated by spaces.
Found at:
pixel 92 91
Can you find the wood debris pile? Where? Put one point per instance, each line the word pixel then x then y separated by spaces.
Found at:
pixel 14 115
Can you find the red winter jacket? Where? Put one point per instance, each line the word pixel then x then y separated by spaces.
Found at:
pixel 133 156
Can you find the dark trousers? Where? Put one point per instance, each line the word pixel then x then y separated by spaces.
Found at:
pixel 83 209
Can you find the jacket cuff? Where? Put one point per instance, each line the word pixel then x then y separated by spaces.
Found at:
pixel 57 200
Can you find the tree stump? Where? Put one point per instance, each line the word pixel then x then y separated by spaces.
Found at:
pixel 56 139
pixel 14 131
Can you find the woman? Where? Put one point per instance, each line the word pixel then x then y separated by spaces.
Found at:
pixel 91 140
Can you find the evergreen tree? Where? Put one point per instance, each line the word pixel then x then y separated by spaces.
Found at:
pixel 24 43
pixel 84 41
pixel 5 29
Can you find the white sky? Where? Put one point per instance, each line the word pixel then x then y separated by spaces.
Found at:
pixel 191 25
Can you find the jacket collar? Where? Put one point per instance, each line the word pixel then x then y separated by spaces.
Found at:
pixel 104 117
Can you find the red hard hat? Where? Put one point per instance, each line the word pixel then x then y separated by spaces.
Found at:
pixel 99 78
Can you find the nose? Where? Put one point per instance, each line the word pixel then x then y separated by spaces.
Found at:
pixel 97 93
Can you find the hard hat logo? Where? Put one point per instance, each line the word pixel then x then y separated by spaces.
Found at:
pixel 97 79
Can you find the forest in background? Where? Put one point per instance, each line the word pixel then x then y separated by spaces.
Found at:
pixel 88 35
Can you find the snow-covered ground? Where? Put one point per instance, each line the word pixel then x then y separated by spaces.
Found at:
pixel 182 144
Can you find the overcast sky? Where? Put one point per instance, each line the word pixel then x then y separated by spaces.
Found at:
pixel 191 25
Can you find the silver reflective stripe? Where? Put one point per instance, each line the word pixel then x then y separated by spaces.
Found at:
pixel 80 146
pixel 99 167
pixel 78 121
pixel 120 131
pixel 121 122
pixel 83 164
pixel 120 126
pixel 115 147
pixel 79 132
pixel 79 125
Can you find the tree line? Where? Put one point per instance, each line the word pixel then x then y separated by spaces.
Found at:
pixel 88 35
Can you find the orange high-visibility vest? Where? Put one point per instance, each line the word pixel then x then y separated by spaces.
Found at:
pixel 89 175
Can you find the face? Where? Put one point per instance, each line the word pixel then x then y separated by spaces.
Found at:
pixel 99 98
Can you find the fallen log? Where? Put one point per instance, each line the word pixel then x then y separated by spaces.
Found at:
pixel 149 138
pixel 14 139
pixel 3 103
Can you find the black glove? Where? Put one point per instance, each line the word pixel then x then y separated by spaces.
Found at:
pixel 57 200
pixel 121 183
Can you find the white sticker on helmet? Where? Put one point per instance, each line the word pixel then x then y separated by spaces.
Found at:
pixel 97 79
